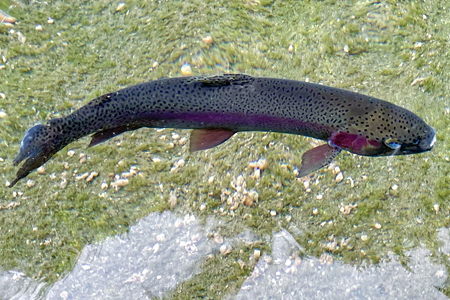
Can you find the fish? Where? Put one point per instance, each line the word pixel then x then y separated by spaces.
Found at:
pixel 218 106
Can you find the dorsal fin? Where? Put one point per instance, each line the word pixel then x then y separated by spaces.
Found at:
pixel 222 80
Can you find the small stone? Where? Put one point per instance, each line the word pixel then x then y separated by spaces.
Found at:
pixel 156 159
pixel 202 207
pixel 218 239
pixel 256 253
pixel 182 141
pixel 63 183
pixel 262 163
pixel 248 201
pixel 50 20
pixel 315 211
pixel 2 114
pixel 346 49
pixel 39 28
pixel 336 170
pixel 288 262
pixel 207 39
pixel 364 237
pixel 155 64
pixel 377 226
pixel 394 187
pixel 268 259
pixel 41 170
pixel 325 258
pixel 273 213
pixel 211 179
pixel 91 176
pixel 319 196
pixel 186 70
pixel 118 183
pixel 306 184
pixel 82 176
pixel 83 158
pixel 120 6
pixel 436 207
pixel 30 183
pixel 291 48
pixel 70 153
pixel 339 177
pixel 225 250
pixel 173 199
pixel 104 186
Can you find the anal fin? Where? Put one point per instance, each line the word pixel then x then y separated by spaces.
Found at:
pixel 202 139
pixel 316 158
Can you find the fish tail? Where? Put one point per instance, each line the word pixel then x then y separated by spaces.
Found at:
pixel 39 144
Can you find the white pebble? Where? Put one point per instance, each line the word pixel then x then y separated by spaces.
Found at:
pixel 2 114
pixel 262 163
pixel 186 70
pixel 273 213
pixel 50 20
pixel 30 183
pixel 182 141
pixel 394 187
pixel 288 262
pixel 118 183
pixel 104 186
pixel 41 170
pixel 39 27
pixel 436 207
pixel 82 176
pixel 91 176
pixel 120 6
pixel 70 153
pixel 364 237
pixel 339 177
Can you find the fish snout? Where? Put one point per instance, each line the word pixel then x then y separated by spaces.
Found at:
pixel 428 143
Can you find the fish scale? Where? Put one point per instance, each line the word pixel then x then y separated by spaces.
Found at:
pixel 218 106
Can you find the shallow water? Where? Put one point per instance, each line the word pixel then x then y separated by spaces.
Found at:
pixel 381 232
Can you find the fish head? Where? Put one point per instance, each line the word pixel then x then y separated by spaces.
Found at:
pixel 417 141
pixel 380 128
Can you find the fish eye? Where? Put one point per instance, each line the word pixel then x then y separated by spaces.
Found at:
pixel 416 141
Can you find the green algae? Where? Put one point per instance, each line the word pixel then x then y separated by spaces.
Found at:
pixel 378 48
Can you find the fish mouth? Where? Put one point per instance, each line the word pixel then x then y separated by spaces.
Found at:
pixel 433 140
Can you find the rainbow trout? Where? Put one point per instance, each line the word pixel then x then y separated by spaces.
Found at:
pixel 216 107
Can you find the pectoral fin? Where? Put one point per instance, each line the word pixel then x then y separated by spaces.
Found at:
pixel 317 158
pixel 202 139
pixel 104 135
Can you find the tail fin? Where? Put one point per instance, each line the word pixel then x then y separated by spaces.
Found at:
pixel 39 144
